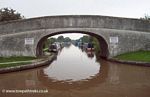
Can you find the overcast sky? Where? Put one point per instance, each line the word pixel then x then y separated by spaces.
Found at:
pixel 118 8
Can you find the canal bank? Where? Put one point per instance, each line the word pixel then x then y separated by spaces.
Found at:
pixel 46 60
pixel 129 62
pixel 140 58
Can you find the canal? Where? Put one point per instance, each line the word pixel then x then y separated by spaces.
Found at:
pixel 77 73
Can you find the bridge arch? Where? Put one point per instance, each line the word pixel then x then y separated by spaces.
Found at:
pixel 104 52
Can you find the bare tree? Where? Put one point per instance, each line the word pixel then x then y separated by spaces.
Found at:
pixel 146 17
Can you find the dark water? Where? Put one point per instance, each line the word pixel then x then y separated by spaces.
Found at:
pixel 76 73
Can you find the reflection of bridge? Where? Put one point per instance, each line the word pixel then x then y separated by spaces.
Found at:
pixel 116 35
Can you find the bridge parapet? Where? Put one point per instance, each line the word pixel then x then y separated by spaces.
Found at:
pixel 76 21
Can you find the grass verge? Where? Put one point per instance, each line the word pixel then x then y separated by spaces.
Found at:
pixel 15 61
pixel 13 64
pixel 12 59
pixel 140 56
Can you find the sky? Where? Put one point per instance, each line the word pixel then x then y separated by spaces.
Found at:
pixel 117 8
pixel 73 36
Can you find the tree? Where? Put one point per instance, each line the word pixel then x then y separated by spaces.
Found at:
pixel 96 44
pixel 85 39
pixel 48 42
pixel 146 17
pixel 60 39
pixel 7 14
pixel 67 39
pixel 51 40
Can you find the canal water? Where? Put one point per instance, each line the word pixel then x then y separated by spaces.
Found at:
pixel 77 73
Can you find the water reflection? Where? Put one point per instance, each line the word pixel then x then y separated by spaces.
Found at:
pixel 70 66
pixel 74 83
